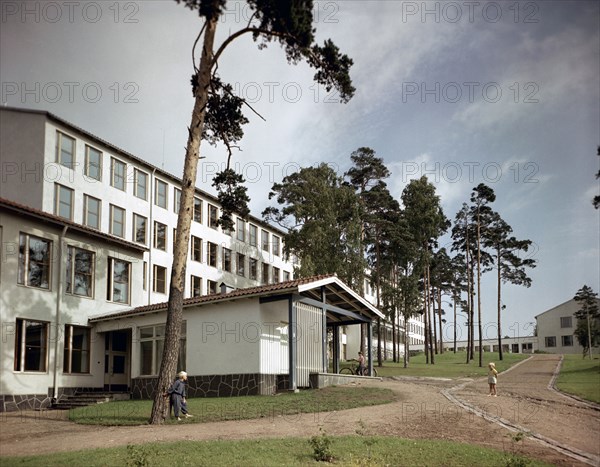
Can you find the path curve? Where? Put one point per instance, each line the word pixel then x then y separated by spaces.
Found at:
pixel 530 403
pixel 420 412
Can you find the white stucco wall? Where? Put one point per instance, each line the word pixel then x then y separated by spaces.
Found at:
pixel 19 301
pixel 549 325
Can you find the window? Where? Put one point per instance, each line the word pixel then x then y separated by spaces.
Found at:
pixel 213 216
pixel 160 236
pixel 160 194
pixel 253 269
pixel 139 229
pixel 226 259
pixel 212 287
pixel 264 240
pixel 140 185
pixel 117 221
pixel 65 150
pixel 241 265
pixel 93 163
pixel 276 245
pixel 177 200
pixel 91 211
pixel 197 209
pixel 567 341
pixel 160 279
pixel 80 272
pixel 77 349
pixel 276 275
pixel 241 230
pixel 117 174
pixel 145 276
pixel 253 233
pixel 286 276
pixel 63 201
pixel 265 273
pixel 152 340
pixel 550 341
pixel 31 345
pixel 212 254
pixel 196 249
pixel 34 261
pixel 566 322
pixel 196 286
pixel 118 281
pixel 174 238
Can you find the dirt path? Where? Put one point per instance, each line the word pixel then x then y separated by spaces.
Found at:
pixel 527 403
pixel 422 412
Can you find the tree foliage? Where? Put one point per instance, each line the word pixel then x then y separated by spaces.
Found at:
pixel 588 316
pixel 322 216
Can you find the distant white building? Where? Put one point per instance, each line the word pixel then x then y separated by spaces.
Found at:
pixel 556 328
pixel 523 344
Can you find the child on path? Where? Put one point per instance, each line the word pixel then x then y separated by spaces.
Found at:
pixel 492 378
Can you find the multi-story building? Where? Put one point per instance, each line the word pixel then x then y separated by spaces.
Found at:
pixel 87 231
pixel 51 165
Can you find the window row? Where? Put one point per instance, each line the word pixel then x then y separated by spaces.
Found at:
pixel 566 341
pixel 31 347
pixel 160 281
pixel 35 257
pixel 119 178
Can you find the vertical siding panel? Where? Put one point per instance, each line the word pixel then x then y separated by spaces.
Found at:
pixel 310 332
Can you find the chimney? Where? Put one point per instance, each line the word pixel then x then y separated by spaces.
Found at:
pixel 226 288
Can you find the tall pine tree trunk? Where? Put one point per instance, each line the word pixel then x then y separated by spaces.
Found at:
pixel 500 354
pixel 479 327
pixel 434 323
pixel 170 354
pixel 440 320
pixel 425 313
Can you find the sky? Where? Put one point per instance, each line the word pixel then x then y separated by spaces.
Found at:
pixel 504 93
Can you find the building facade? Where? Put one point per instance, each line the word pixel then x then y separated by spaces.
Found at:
pixel 56 167
pixel 556 329
pixel 54 274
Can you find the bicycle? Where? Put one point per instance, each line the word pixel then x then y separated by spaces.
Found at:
pixel 349 370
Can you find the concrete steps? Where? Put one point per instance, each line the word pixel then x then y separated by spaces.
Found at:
pixel 84 399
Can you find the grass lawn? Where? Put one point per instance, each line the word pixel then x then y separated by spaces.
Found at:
pixel 137 412
pixel 346 450
pixel 450 365
pixel 580 377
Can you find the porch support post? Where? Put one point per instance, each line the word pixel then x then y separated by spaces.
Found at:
pixel 293 342
pixel 336 348
pixel 324 330
pixel 370 346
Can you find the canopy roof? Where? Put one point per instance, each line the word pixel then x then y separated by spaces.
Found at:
pixel 340 302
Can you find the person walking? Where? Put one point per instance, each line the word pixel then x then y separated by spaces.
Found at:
pixel 177 396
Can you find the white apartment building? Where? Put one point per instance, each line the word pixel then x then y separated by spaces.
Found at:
pixel 556 329
pixel 53 166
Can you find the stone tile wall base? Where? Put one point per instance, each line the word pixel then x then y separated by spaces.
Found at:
pixel 214 385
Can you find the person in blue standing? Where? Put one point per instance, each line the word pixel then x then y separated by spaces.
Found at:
pixel 177 395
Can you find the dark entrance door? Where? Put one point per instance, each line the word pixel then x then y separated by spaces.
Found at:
pixel 116 361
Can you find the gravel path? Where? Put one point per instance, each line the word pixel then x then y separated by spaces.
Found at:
pixel 423 411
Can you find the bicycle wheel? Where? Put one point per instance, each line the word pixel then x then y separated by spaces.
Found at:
pixel 346 371
pixel 374 372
